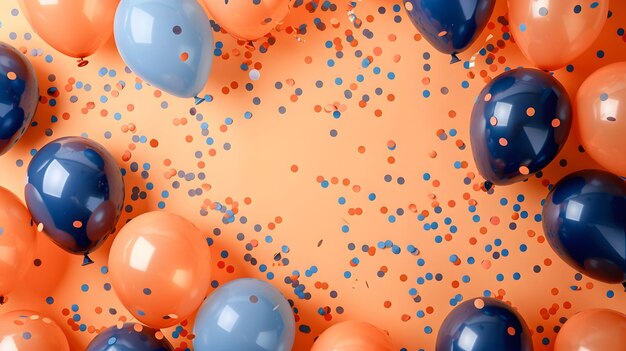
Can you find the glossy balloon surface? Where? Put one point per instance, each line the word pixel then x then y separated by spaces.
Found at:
pixel 248 20
pixel 30 331
pixel 585 223
pixel 75 189
pixel 130 337
pixel 484 324
pixel 77 28
pixel 17 242
pixel 160 268
pixel 167 43
pixel 519 124
pixel 19 95
pixel 245 314
pixel 601 117
pixel 552 33
pixel 593 330
pixel 450 26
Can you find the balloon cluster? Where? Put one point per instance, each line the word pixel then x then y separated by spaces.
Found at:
pixel 160 263
pixel 519 124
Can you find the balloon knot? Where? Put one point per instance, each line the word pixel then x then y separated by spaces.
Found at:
pixel 199 100
pixel 82 62
pixel 454 59
pixel 87 260
pixel 488 185
pixel 2 300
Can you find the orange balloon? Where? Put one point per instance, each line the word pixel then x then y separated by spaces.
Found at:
pixel 246 20
pixel 353 336
pixel 601 117
pixel 77 28
pixel 552 33
pixel 28 330
pixel 160 266
pixel 17 242
pixel 593 330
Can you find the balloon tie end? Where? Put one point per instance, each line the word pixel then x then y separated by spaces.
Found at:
pixel 2 300
pixel 454 59
pixel 488 185
pixel 87 261
pixel 82 62
pixel 199 100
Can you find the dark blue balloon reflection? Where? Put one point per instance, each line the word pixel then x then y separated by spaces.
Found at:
pixel 75 189
pixel 520 122
pixel 129 339
pixel 584 219
pixel 19 95
pixel 484 324
pixel 451 25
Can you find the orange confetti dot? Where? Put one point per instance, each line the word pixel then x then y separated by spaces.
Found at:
pixel 530 111
pixel 479 303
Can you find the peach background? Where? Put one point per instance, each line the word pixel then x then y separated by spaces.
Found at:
pixel 258 174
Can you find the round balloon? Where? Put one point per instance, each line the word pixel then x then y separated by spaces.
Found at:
pixel 19 95
pixel 77 28
pixel 17 242
pixel 248 20
pixel 450 26
pixel 353 336
pixel 245 314
pixel 75 190
pixel 520 122
pixel 601 117
pixel 584 222
pixel 28 330
pixel 160 267
pixel 484 324
pixel 592 330
pixel 177 32
pixel 553 33
pixel 130 337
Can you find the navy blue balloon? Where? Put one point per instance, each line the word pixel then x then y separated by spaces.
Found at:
pixel 484 324
pixel 19 95
pixel 520 122
pixel 584 219
pixel 451 26
pixel 75 189
pixel 129 339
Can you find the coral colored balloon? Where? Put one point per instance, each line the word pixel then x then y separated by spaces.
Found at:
pixel 17 242
pixel 247 19
pixel 353 336
pixel 77 28
pixel 593 330
pixel 552 33
pixel 601 119
pixel 160 267
pixel 28 330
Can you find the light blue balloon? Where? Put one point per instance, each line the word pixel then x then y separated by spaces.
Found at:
pixel 245 315
pixel 153 37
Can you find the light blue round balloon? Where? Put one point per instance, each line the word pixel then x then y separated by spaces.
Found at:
pixel 245 315
pixel 168 43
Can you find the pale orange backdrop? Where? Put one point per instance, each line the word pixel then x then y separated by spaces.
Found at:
pixel 274 165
